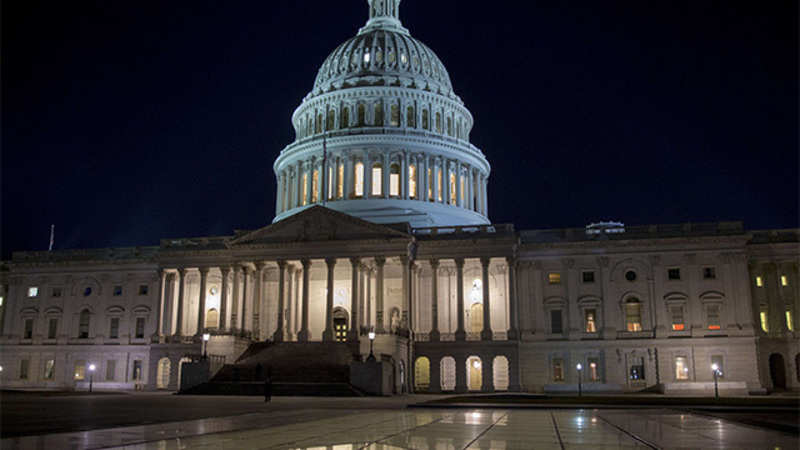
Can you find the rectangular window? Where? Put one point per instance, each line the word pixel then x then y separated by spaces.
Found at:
pixel 137 370
pixel 594 369
pixel 709 273
pixel 637 369
pixel 591 321
pixel 394 184
pixel 28 334
pixel 304 200
pixel 52 328
pixel 315 186
pixel 677 318
pixel 113 332
pixel 111 370
pixel 412 181
pixel 558 369
pixel 139 327
pixel 674 274
pixel 633 315
pixel 453 189
pixel 23 369
pixel 143 289
pixel 57 292
pixel 33 291
pixel 717 360
pixel 439 185
pixel 80 370
pixel 340 182
pixel 681 368
pixel 49 369
pixel 117 291
pixel 784 280
pixel 789 321
pixel 430 184
pixel 554 278
pixel 358 189
pixel 759 281
pixel 712 312
pixel 377 181
pixel 588 277
pixel 556 326
pixel 764 320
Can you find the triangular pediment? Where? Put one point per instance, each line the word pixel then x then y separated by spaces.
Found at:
pixel 318 223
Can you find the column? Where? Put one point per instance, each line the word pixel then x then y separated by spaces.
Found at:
pixel 279 333
pixel 461 335
pixel 223 300
pixel 487 373
pixel 422 184
pixel 513 303
pixel 237 272
pixel 334 189
pixel 327 335
pixel 304 335
pixel 379 262
pixel 368 316
pixel 484 183
pixel 435 180
pixel 406 291
pixel 201 304
pixel 161 295
pixel 386 175
pixel 404 176
pixel 446 182
pixel 181 295
pixel 278 195
pixel 367 176
pixel 486 334
pixel 245 278
pixel 461 373
pixel 298 182
pixel 297 300
pixel 348 184
pixel 436 375
pixel 353 335
pixel 434 336
pixel 258 294
pixel 309 165
pixel 290 310
pixel 361 297
pixel 471 189
pixel 459 194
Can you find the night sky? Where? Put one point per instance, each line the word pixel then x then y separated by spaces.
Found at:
pixel 124 122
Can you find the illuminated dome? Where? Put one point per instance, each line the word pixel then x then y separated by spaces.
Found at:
pixel 382 136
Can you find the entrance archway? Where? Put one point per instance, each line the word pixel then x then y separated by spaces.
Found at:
pixel 185 359
pixel 422 373
pixel 476 318
pixel 777 371
pixel 474 373
pixel 162 376
pixel 212 318
pixel 340 324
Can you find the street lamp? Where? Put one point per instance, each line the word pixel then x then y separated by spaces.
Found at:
pixel 91 376
pixel 717 373
pixel 371 356
pixel 206 337
pixel 580 388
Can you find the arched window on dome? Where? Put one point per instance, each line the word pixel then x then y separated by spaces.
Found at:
pixel 458 128
pixel 344 121
pixel 449 126
pixel 438 122
pixel 309 126
pixel 331 120
pixel 411 117
pixel 412 181
pixel 358 186
pixel 304 200
pixel 463 191
pixel 426 125
pixel 361 115
pixel 329 182
pixel 340 182
pixel 430 184
pixel 394 180
pixel 439 184
pixel 394 119
pixel 452 188
pixel 318 127
pixel 378 122
pixel 315 186
pixel 377 179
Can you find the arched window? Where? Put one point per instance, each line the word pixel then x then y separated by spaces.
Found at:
pixel 500 369
pixel 304 200
pixel 426 123
pixel 340 182
pixel 329 181
pixel 315 186
pixel 359 179
pixel 377 180
pixel 361 115
pixel 83 324
pixel 318 127
pixel 411 117
pixel 430 184
pixel 439 184
pixel 476 317
pixel 344 120
pixel 309 126
pixel 379 114
pixel 463 190
pixel 340 324
pixel 438 122
pixel 331 120
pixel 394 180
pixel 474 373
pixel 452 188
pixel 447 373
pixel 633 314
pixel 412 181
pixel 422 373
pixel 395 116
pixel 162 379
pixel 449 126
pixel 212 318
pixel 458 128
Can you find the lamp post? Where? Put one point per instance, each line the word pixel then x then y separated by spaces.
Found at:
pixel 91 376
pixel 715 370
pixel 371 356
pixel 580 388
pixel 206 337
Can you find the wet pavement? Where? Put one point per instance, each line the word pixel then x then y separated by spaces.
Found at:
pixel 502 429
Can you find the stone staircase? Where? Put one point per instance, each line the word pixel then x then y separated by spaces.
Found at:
pixel 295 368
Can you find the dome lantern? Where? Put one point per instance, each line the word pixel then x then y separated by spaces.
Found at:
pixel 383 14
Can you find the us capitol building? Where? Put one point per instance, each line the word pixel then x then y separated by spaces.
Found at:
pixel 382 225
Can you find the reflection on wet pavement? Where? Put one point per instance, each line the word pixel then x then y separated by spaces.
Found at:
pixel 443 429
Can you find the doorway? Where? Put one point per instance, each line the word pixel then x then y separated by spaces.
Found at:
pixel 474 373
pixel 777 371
pixel 340 325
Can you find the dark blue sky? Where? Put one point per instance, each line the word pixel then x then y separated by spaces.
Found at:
pixel 128 121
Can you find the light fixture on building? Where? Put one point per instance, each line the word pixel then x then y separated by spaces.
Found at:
pixel 371 335
pixel 206 337
pixel 476 364
pixel 716 372
pixel 91 375
pixel 580 370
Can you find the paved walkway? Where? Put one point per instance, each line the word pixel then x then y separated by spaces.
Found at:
pixel 502 429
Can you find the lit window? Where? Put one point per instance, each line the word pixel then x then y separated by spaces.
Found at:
pixel 556 322
pixel 674 274
pixel 594 369
pixel 366 58
pixel 591 321
pixel 49 369
pixel 764 319
pixel 558 369
pixel 403 58
pixel 439 184
pixel 412 181
pixel 554 278
pixel 677 318
pixel 315 186
pixel 712 313
pixel 709 273
pixel 318 125
pixel 633 314
pixel 80 370
pixel 430 184
pixel 452 188
pixel 716 360
pixel 463 190
pixel 759 281
pixel 304 200
pixel 394 180
pixel 1 300
pixel 636 372
pixel 377 180
pixel 340 182
pixel 784 280
pixel 789 321
pixel 681 368
pixel 330 183
pixel 359 179
pixel 33 291
pixel 588 277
